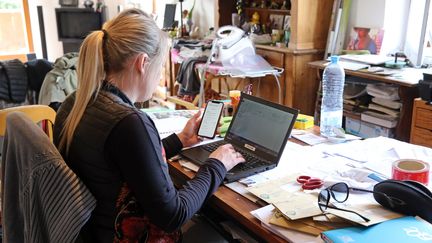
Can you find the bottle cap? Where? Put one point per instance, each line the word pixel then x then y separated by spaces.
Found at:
pixel 334 59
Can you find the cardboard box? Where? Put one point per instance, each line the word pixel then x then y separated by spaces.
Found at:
pixel 366 130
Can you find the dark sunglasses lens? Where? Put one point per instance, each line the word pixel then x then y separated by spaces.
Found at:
pixel 339 192
pixel 323 199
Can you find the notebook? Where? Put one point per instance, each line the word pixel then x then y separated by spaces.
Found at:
pixel 405 229
pixel 259 131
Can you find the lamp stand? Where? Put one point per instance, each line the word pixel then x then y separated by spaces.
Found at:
pixel 181 18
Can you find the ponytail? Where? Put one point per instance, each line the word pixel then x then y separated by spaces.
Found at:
pixel 90 72
pixel 106 51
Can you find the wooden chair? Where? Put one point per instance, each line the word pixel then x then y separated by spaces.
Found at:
pixel 37 113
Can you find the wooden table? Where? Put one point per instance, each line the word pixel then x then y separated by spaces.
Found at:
pixel 407 92
pixel 233 205
pixel 230 203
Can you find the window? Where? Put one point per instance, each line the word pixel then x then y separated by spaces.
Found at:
pixel 15 31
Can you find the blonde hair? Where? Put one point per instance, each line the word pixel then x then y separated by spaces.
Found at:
pixel 107 51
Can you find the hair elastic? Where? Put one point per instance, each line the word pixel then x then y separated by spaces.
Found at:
pixel 105 34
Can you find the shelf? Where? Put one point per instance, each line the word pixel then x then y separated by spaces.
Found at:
pixel 277 11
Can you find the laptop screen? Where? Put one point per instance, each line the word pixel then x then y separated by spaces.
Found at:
pixel 261 124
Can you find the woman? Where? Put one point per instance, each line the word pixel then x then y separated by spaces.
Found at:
pixel 115 148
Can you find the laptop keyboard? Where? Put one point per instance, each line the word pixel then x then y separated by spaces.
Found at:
pixel 251 160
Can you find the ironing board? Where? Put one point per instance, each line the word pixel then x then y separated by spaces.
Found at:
pixel 217 70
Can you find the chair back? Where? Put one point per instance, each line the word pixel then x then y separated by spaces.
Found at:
pixel 43 200
pixel 36 113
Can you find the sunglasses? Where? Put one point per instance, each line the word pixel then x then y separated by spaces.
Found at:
pixel 340 192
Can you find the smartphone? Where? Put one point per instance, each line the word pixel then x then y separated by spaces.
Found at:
pixel 210 119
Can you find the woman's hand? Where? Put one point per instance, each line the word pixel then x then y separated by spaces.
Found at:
pixel 188 136
pixel 228 156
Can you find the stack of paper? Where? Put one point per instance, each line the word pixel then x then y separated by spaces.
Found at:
pixel 384 108
pixel 264 215
pixel 168 122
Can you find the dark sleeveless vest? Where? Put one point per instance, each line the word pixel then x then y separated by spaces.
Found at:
pixel 100 117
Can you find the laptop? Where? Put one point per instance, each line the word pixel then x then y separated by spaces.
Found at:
pixel 259 131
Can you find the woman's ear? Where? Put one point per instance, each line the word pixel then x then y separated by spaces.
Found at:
pixel 140 62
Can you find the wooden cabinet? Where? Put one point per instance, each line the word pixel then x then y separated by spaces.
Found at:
pixel 310 21
pixel 298 91
pixel 421 126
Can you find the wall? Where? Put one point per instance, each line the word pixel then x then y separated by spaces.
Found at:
pixel 54 46
pixel 203 14
pixel 203 17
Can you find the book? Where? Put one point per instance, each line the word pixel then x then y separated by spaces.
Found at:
pixel 391 112
pixel 404 229
pixel 383 91
pixel 379 119
pixel 353 66
pixel 371 59
pixel 387 103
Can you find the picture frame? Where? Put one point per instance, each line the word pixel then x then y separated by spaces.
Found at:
pixel 277 21
pixel 373 38
pixel 287 22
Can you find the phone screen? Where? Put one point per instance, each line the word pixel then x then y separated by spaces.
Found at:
pixel 210 119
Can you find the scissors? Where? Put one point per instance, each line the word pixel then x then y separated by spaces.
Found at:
pixel 309 183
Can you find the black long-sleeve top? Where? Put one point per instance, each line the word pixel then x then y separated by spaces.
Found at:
pixel 133 154
pixel 134 146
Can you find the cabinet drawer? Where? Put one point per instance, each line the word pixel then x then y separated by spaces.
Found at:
pixel 423 118
pixel 421 137
pixel 274 58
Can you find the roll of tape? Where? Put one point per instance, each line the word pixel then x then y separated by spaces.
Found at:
pixel 411 169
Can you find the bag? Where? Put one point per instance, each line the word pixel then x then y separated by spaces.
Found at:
pixel 13 81
pixel 415 199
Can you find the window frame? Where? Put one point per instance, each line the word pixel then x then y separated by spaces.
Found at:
pixel 23 57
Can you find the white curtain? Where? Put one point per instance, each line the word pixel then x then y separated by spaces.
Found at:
pixel 416 30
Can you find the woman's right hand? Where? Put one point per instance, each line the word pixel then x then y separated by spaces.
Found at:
pixel 228 156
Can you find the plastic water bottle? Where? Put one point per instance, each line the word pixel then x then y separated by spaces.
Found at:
pixel 332 98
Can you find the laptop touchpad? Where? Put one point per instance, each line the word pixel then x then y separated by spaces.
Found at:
pixel 197 155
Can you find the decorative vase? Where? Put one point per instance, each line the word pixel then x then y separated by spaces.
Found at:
pixel 88 4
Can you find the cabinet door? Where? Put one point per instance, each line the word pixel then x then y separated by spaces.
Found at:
pixel 421 136
pixel 267 87
pixel 226 8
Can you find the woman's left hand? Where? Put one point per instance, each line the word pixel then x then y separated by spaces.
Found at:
pixel 188 136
